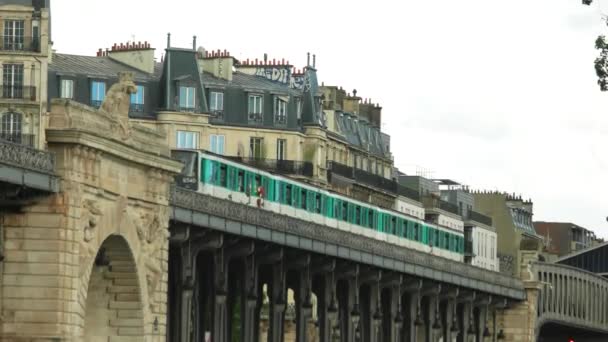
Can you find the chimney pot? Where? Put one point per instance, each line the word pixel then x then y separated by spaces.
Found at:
pixel 265 58
pixel 308 59
pixel 287 63
pixel 168 40
pixel 194 43
pixel 314 61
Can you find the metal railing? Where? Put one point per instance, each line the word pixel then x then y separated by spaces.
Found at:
pixel 433 202
pixel 289 167
pixel 18 138
pixel 20 43
pixel 136 108
pixel 478 217
pixel 18 92
pixel 407 192
pixel 373 180
pixel 255 117
pixel 96 103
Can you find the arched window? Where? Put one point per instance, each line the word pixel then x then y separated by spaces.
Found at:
pixel 10 128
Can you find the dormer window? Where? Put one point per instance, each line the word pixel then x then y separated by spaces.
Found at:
pixel 67 89
pixel 280 110
pixel 216 103
pixel 98 93
pixel 187 98
pixel 255 107
pixel 137 100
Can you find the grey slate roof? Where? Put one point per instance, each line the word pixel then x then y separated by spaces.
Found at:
pixel 94 66
pixel 246 81
pixel 359 133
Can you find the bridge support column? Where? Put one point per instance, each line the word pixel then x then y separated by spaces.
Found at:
pixel 324 286
pixel 220 307
pixel 519 321
pixel 277 296
pixel 250 301
pixel 303 304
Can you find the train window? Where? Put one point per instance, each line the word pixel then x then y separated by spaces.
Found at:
pixel 318 203
pixel 241 180
pixel 223 175
pixel 393 225
pixel 288 194
pixel 344 211
pixel 303 198
pixel 415 232
pixel 358 215
pixel 436 239
pixel 370 218
pixel 446 241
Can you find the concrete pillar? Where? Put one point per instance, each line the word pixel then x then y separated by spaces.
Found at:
pixel 249 304
pixel 348 299
pixel 220 307
pixel 409 324
pixel 324 287
pixel 303 304
pixel 278 294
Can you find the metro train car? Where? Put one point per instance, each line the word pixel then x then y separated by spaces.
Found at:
pixel 220 177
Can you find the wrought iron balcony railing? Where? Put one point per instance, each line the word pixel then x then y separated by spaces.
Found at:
pixel 256 118
pixel 136 107
pixel 96 103
pixel 373 180
pixel 288 167
pixel 18 138
pixel 20 43
pixel 478 217
pixel 433 202
pixel 19 92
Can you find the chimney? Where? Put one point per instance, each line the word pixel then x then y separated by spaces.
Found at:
pixel 194 43
pixel 168 40
pixel 265 59
pixel 136 55
pixel 308 59
pixel 218 63
pixel 351 104
pixel 314 61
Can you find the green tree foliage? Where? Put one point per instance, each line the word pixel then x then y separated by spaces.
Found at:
pixel 601 63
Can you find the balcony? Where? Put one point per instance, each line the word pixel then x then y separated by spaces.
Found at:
pixel 433 202
pixel 136 108
pixel 217 115
pixel 478 217
pixel 18 92
pixel 18 138
pixel 256 118
pixel 20 43
pixel 373 180
pixel 287 167
pixel 96 103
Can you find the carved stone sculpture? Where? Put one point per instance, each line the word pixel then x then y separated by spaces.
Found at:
pixel 118 101
pixel 89 220
pixel 152 232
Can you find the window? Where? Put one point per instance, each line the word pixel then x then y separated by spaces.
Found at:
pixel 299 109
pixel 255 108
pixel 255 148
pixel 281 149
pixel 12 80
pixel 280 110
pixel 187 98
pixel 13 34
pixel 216 145
pixel 186 139
pixel 10 128
pixel 67 89
pixel 98 93
pixel 137 100
pixel 216 101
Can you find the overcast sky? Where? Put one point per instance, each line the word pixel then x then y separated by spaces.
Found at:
pixel 498 95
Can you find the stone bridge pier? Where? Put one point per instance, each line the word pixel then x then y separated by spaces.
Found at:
pixel 90 263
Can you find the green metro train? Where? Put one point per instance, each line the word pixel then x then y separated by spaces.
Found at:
pixel 217 176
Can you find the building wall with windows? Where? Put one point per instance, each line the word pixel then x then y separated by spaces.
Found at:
pixel 24 57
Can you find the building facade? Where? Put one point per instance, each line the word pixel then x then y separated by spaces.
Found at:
pixel 562 238
pixel 24 56
pixel 512 219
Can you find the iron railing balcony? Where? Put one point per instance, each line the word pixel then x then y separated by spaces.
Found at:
pixel 18 138
pixel 96 103
pixel 217 114
pixel 288 167
pixel 341 169
pixel 478 217
pixel 20 43
pixel 433 202
pixel 407 192
pixel 256 118
pixel 18 92
pixel 136 108
pixel 375 181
